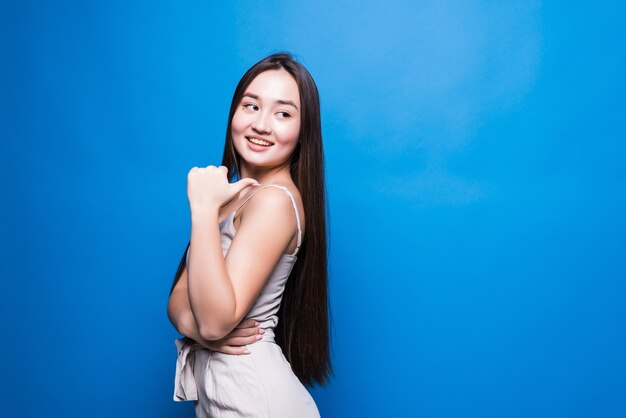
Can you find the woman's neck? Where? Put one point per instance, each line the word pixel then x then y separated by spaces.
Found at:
pixel 274 175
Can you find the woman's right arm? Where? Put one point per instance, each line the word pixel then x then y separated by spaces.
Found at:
pixel 179 310
pixel 181 317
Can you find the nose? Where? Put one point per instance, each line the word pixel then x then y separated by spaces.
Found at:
pixel 261 124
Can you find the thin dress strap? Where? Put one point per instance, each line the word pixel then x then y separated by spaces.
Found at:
pixel 295 207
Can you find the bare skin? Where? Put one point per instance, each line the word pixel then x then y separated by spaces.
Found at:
pixel 215 292
pixel 179 312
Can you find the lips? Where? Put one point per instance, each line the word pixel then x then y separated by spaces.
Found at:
pixel 259 141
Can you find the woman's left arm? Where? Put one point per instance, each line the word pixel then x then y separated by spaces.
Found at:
pixel 221 290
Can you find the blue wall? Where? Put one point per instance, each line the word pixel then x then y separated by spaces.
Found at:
pixel 476 170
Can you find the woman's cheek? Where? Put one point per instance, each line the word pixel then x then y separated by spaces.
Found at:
pixel 289 133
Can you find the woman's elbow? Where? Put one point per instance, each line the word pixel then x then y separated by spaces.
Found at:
pixel 172 314
pixel 214 326
pixel 212 332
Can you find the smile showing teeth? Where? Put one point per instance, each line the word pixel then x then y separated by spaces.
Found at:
pixel 259 141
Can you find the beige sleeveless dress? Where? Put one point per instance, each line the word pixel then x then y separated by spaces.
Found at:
pixel 259 384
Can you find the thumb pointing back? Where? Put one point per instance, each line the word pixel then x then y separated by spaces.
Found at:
pixel 242 184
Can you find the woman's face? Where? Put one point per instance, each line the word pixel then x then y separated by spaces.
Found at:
pixel 266 125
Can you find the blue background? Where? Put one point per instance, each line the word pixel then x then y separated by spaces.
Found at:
pixel 476 172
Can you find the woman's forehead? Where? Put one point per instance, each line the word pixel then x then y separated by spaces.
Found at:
pixel 274 85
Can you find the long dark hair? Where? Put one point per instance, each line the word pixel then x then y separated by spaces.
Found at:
pixel 303 318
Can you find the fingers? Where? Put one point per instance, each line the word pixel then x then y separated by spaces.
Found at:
pixel 242 184
pixel 245 332
pixel 192 171
pixel 222 168
pixel 210 187
pixel 240 341
pixel 228 349
pixel 237 351
pixel 247 323
pixel 222 346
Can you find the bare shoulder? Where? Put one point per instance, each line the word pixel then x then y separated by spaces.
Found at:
pixel 271 209
pixel 272 202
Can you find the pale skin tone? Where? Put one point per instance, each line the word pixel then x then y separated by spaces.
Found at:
pixel 214 292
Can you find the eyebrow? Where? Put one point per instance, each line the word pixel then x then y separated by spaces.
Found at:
pixel 283 102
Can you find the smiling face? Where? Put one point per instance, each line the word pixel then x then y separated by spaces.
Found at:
pixel 266 125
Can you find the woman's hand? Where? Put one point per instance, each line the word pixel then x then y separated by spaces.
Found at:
pixel 208 188
pixel 247 332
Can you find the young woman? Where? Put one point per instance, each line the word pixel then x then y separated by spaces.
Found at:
pixel 250 293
